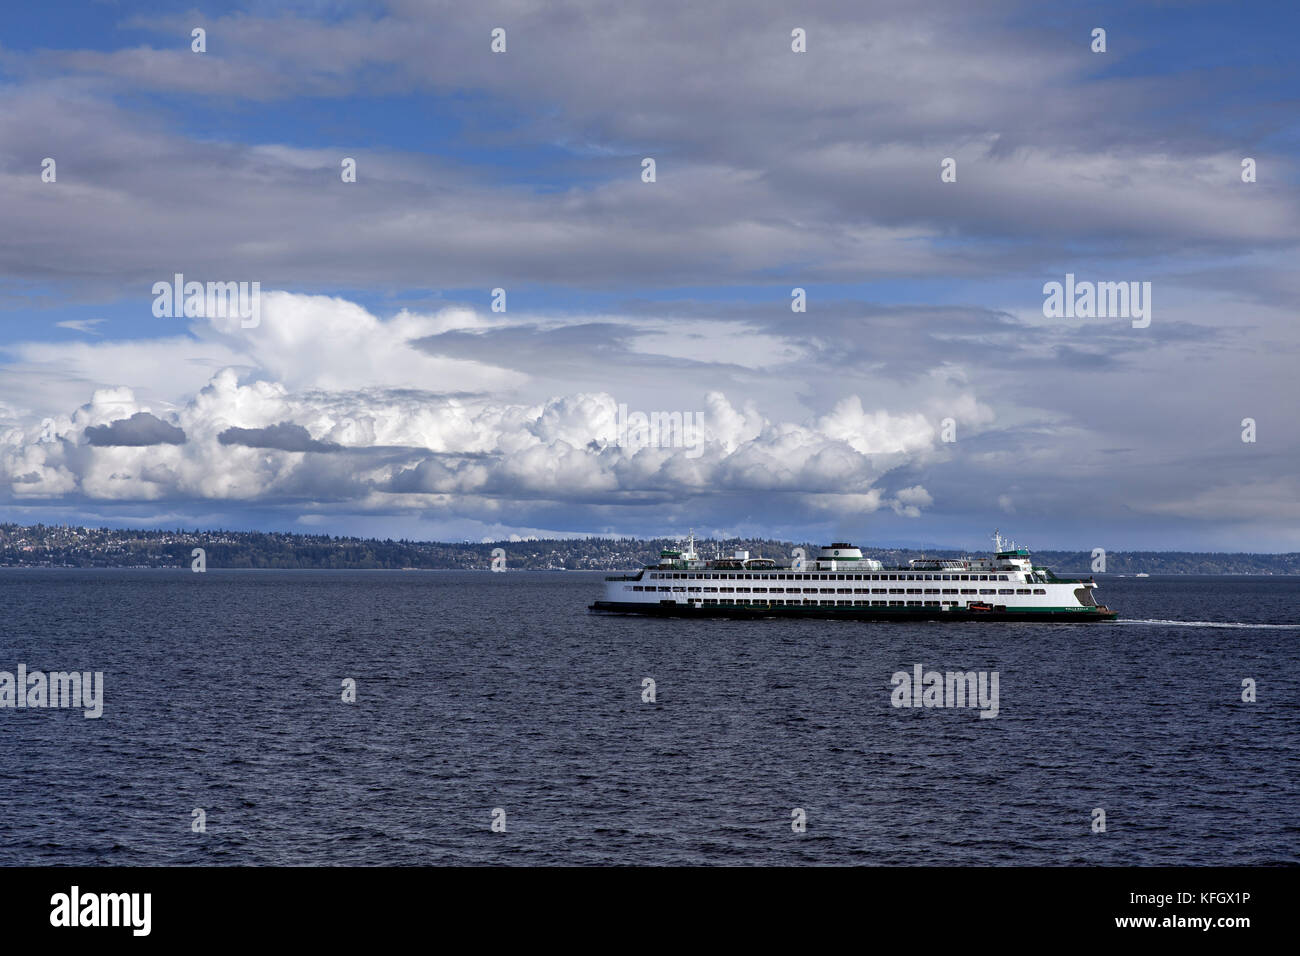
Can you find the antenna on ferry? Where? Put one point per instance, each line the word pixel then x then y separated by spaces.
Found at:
pixel 997 541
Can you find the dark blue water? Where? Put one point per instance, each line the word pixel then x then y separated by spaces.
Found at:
pixel 479 690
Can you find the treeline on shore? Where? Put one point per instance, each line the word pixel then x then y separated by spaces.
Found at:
pixel 63 546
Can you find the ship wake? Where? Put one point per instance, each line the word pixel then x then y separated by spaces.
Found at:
pixel 1236 624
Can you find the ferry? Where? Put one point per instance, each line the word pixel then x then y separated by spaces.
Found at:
pixel 840 583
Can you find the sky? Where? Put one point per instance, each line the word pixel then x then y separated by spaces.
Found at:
pixel 923 397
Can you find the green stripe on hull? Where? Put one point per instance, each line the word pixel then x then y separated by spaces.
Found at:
pixel 674 609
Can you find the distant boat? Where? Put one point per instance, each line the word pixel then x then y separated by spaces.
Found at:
pixel 1141 574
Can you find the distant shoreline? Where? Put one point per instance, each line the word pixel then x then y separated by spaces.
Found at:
pixel 26 546
pixel 612 570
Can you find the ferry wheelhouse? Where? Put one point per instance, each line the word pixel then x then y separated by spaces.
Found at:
pixel 841 583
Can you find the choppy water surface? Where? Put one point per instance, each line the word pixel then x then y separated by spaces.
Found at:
pixel 479 690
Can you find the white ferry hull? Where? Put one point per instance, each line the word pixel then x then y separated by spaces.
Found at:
pixel 840 584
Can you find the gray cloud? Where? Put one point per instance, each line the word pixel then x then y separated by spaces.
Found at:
pixel 774 167
pixel 139 430
pixel 286 436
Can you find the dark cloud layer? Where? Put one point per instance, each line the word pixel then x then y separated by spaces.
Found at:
pixel 139 430
pixel 286 436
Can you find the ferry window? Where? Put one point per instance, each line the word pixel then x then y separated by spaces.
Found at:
pixel 988 591
pixel 1006 590
pixel 931 590
pixel 967 590
pixel 1040 590
pixel 1023 591
pixel 1002 577
pixel 949 590
pixel 913 590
